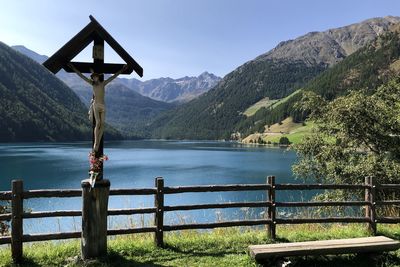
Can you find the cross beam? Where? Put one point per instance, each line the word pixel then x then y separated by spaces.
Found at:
pixel 106 68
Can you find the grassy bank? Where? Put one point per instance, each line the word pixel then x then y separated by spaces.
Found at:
pixel 221 247
pixel 287 128
pixel 295 136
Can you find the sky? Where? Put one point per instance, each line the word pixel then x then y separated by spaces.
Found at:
pixel 177 38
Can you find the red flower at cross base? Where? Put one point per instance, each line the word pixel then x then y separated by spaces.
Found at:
pixel 96 163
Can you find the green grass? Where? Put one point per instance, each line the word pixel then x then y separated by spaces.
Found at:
pixel 283 100
pixel 295 136
pixel 221 247
pixel 294 131
pixel 265 102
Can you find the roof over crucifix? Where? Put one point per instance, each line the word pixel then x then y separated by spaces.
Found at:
pixel 80 41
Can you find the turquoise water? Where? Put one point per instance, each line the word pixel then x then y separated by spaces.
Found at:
pixel 135 164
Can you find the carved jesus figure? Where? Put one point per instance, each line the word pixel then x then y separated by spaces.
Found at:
pixel 97 106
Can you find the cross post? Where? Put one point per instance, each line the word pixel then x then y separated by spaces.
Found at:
pixel 94 195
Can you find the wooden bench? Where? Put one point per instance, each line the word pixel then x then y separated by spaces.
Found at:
pixel 324 247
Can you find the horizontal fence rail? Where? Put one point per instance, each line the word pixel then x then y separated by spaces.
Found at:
pixel 259 204
pixel 52 236
pixel 51 193
pixel 215 188
pixel 322 204
pixel 5 217
pixel 136 191
pixel 370 204
pixel 5 195
pixel 216 225
pixel 320 186
pixel 323 220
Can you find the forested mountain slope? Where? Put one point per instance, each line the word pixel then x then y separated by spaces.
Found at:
pixel 36 106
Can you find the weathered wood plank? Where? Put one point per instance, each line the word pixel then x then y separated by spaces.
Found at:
pixel 107 68
pixel 5 195
pixel 319 186
pixel 16 222
pixel 322 203
pixel 48 214
pixel 131 231
pixel 94 218
pixel 388 220
pixel 372 199
pixel 272 210
pixel 115 212
pixel 135 191
pixel 52 193
pixel 5 240
pixel 322 220
pixel 159 215
pixel 216 225
pixel 5 217
pixel 387 202
pixel 53 236
pixel 67 213
pixel 214 188
pixel 324 247
pixel 367 198
pixel 219 206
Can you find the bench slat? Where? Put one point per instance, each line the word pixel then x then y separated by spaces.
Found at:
pixel 325 247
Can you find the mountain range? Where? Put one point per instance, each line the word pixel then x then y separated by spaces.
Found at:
pixel 274 75
pixel 173 90
pixel 261 92
pixel 162 89
pixel 127 108
pixel 131 103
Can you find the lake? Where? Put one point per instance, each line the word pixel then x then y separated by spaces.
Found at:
pixel 135 164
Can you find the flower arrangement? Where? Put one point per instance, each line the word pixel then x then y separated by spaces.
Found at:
pixel 95 166
pixel 96 163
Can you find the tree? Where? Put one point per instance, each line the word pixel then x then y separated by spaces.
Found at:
pixel 284 141
pixel 260 140
pixel 356 136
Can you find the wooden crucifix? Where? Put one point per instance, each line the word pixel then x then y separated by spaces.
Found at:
pixel 95 33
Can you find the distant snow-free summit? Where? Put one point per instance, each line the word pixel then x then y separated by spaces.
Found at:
pixel 162 89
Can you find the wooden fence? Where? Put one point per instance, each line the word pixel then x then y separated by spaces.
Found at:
pixel 18 214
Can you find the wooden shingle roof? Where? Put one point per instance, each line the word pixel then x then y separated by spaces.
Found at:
pixel 80 41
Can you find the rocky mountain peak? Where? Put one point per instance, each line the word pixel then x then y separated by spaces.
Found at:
pixel 331 46
pixel 178 90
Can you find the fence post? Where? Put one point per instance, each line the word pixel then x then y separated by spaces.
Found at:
pixel 370 209
pixel 373 205
pixel 16 221
pixel 268 208
pixel 159 215
pixel 272 209
pixel 367 196
pixel 94 218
